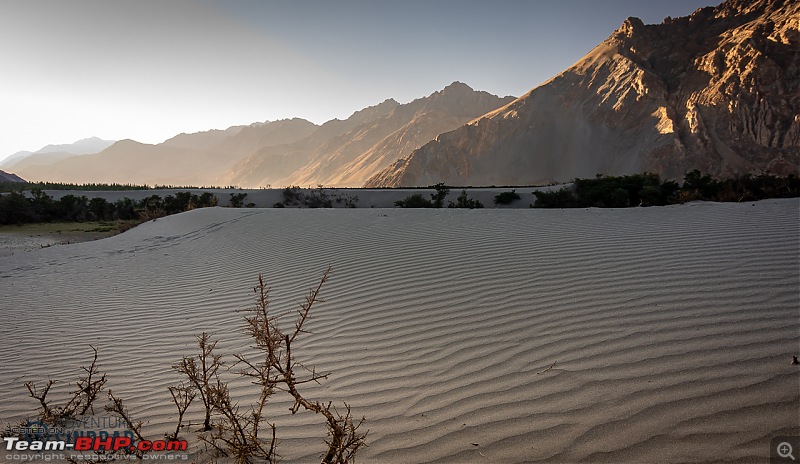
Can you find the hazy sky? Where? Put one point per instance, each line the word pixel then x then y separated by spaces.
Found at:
pixel 150 69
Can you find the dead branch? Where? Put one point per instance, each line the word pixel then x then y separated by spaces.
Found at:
pixel 277 370
pixel 83 397
pixel 119 408
pixel 182 397
pixel 88 389
pixel 201 376
pixel 551 366
pixel 34 392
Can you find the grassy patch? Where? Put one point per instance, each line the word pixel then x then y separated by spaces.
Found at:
pixel 40 228
pixel 44 234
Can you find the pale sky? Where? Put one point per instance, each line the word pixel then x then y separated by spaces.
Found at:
pixel 150 69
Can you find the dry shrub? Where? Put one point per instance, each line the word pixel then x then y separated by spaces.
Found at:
pixel 234 432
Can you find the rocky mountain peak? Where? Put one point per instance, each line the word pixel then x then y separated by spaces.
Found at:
pixel 631 26
pixel 458 99
pixel 456 87
pixel 373 112
pixel 347 153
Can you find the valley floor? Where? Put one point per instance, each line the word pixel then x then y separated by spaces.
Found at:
pixel 28 237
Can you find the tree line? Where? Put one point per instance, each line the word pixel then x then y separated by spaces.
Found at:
pixel 649 190
pixel 95 187
pixel 19 208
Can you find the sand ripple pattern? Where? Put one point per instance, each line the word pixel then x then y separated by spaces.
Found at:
pixel 671 329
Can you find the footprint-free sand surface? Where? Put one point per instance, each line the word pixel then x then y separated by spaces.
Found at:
pixel 596 335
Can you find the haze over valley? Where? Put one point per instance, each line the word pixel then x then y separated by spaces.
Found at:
pixel 642 100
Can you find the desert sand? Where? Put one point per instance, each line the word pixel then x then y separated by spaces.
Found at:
pixel 670 330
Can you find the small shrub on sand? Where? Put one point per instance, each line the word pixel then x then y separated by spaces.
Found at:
pixel 317 198
pixel 237 435
pixel 416 200
pixel 237 199
pixel 349 201
pixel 235 429
pixel 464 201
pixel 506 198
pixel 293 196
pixel 82 400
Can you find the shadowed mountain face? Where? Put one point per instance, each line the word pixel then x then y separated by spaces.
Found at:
pixel 9 177
pixel 717 91
pixel 347 153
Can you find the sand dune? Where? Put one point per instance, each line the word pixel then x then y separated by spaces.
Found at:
pixel 671 329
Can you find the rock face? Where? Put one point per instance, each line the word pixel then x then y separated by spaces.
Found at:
pixel 347 153
pixel 717 91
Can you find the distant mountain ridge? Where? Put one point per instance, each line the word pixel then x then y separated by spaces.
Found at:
pixel 346 156
pixel 81 147
pixel 51 153
pixel 268 164
pixel 186 159
pixel 287 152
pixel 717 91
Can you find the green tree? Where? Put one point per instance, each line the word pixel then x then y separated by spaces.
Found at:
pixel 15 209
pixel 437 199
pixel 237 200
pixel 72 208
pixel 100 209
pixel 562 198
pixel 506 198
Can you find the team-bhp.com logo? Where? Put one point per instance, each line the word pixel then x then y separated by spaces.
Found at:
pixel 109 444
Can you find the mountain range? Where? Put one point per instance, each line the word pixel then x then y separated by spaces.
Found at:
pixel 22 160
pixel 717 91
pixel 347 153
pixel 186 159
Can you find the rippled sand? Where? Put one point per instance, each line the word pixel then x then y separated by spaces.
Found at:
pixel 636 335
